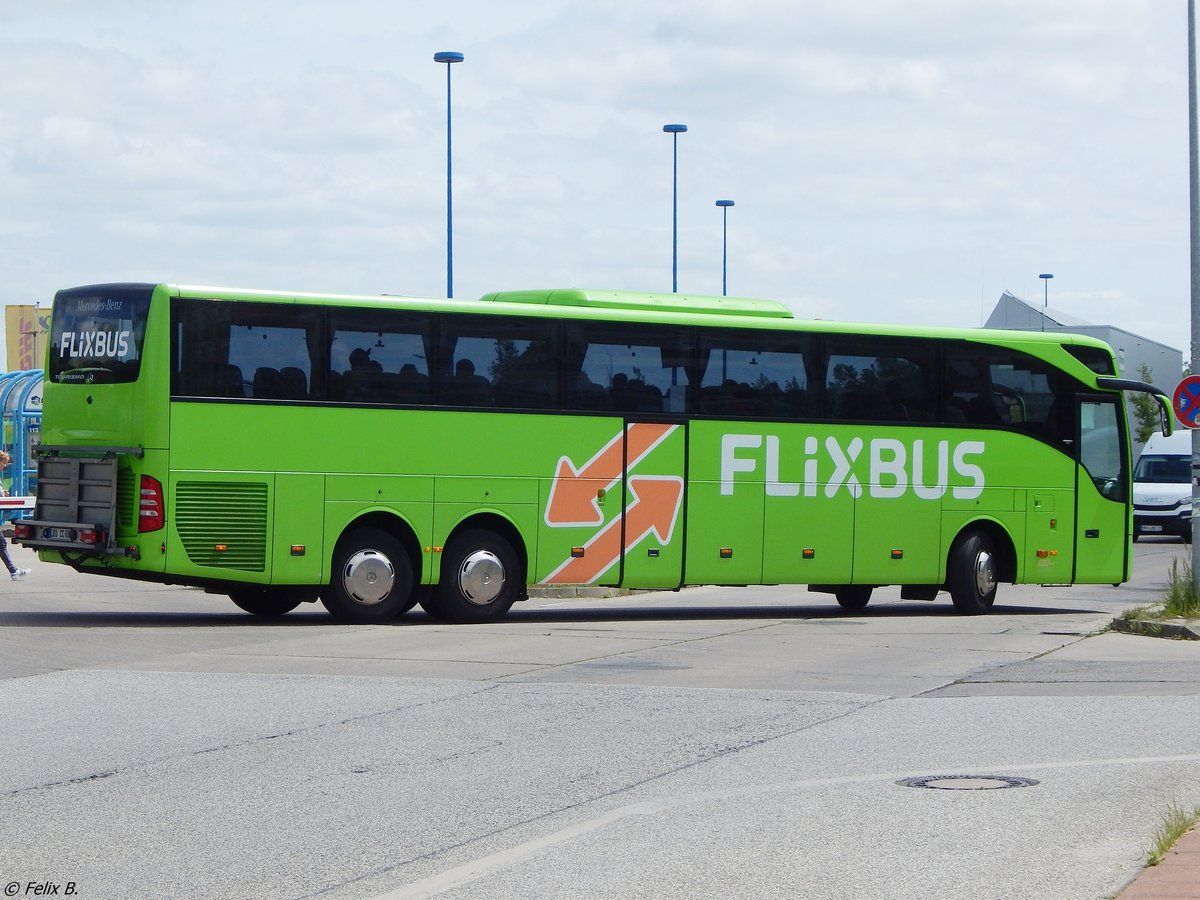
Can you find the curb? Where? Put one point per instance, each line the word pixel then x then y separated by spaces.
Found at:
pixel 1178 630
pixel 595 593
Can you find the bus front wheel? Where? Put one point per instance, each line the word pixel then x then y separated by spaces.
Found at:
pixel 972 573
pixel 269 601
pixel 372 579
pixel 480 580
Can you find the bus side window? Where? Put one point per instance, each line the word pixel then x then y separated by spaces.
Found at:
pixel 517 356
pixel 754 376
pixel 379 357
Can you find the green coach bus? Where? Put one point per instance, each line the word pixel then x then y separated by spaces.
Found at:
pixel 379 452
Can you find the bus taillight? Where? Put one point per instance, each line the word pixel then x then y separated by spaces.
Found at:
pixel 151 511
pixel 94 536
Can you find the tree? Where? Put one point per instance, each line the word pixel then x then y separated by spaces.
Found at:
pixel 1145 410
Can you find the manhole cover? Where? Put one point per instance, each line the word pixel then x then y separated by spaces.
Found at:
pixel 967 782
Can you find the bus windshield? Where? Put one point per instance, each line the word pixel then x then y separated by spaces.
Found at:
pixel 96 337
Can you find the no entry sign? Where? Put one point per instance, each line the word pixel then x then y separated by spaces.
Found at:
pixel 1187 401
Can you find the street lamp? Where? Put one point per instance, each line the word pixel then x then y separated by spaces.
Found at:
pixel 1045 276
pixel 674 131
pixel 724 204
pixel 448 57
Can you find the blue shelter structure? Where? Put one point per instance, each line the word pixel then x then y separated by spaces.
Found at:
pixel 21 406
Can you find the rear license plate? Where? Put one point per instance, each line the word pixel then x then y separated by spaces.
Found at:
pixel 59 534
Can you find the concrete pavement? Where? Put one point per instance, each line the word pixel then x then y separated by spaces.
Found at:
pixel 724 741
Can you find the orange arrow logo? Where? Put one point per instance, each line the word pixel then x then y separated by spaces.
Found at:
pixel 574 492
pixel 655 508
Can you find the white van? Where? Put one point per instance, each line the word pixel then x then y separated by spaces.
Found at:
pixel 1162 486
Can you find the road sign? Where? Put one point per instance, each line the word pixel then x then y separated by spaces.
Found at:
pixel 1187 401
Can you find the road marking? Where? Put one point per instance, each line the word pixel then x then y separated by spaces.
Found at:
pixel 486 865
pixel 468 872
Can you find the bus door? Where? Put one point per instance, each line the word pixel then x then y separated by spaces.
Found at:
pixel 652 521
pixel 613 512
pixel 1101 492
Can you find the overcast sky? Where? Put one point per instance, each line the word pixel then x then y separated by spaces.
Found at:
pixel 890 160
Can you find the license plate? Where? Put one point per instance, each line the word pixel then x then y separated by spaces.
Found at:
pixel 1152 528
pixel 59 534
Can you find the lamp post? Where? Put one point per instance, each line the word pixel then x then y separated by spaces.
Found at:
pixel 1194 241
pixel 448 57
pixel 674 131
pixel 724 204
pixel 1045 276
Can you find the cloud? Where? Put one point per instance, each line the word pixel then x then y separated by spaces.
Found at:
pixel 902 161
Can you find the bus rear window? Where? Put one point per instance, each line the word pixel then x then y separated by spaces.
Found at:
pixel 96 334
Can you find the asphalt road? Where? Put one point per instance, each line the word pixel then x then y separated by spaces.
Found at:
pixel 710 743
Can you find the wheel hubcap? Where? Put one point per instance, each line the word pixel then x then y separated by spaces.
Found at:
pixel 985 573
pixel 481 577
pixel 368 577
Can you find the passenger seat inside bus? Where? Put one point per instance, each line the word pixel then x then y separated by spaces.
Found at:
pixel 293 383
pixel 266 383
pixel 234 385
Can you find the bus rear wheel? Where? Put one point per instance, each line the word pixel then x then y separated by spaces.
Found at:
pixel 853 596
pixel 481 578
pixel 972 573
pixel 372 579
pixel 270 602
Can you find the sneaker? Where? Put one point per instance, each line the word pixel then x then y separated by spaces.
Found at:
pixel 19 574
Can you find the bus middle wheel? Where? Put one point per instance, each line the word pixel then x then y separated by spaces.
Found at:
pixel 372 579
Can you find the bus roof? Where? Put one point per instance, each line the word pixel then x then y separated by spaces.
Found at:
pixel 687 303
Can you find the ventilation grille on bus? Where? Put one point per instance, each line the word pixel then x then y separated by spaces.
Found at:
pixel 222 524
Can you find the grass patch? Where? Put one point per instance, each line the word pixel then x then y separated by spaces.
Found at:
pixel 1143 613
pixel 1180 600
pixel 1176 823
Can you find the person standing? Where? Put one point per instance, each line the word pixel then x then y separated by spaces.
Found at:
pixel 16 573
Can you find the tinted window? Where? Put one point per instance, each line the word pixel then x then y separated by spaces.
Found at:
pixel 880 379
pixel 755 375
pixel 276 351
pixel 624 368
pixel 96 334
pixel 1098 360
pixel 486 360
pixel 252 350
pixel 1007 388
pixel 379 357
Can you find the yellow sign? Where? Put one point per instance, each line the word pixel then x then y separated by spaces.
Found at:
pixel 25 328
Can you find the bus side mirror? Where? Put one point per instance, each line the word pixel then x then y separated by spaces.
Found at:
pixel 1166 415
